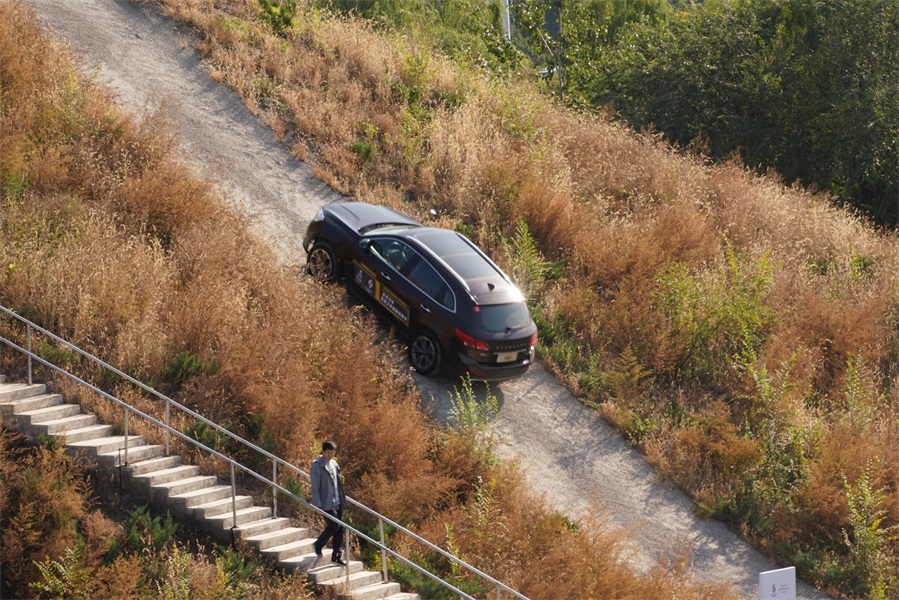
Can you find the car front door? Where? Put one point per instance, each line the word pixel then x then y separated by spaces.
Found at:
pixel 379 274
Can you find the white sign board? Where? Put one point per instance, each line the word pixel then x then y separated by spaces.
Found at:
pixel 778 585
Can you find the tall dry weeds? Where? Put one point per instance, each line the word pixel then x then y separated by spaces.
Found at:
pixel 620 209
pixel 392 123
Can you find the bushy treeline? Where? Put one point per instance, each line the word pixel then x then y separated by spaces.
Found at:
pixel 741 333
pixel 805 87
pixel 109 241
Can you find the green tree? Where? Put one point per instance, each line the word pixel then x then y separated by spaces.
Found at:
pixel 808 88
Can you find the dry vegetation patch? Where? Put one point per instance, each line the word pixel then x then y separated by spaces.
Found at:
pixel 731 306
pixel 107 240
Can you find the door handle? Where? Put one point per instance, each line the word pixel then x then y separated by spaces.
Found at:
pixel 425 308
pixel 385 276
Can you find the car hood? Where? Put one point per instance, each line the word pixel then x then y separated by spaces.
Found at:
pixel 360 216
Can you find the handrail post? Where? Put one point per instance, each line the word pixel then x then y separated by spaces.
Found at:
pixel 127 412
pixel 499 592
pixel 28 332
pixel 346 555
pixel 168 423
pixel 233 502
pixel 274 488
pixel 383 551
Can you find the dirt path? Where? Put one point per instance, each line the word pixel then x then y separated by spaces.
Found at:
pixel 567 453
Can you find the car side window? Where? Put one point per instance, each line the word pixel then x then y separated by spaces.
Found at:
pixel 428 280
pixel 394 252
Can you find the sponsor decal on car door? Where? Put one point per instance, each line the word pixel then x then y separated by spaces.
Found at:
pixel 368 281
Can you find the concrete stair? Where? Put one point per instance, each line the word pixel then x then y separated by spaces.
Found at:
pixel 187 493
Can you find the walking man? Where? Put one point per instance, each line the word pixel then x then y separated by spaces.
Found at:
pixel 327 494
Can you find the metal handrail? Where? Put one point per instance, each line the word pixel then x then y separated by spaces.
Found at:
pixel 168 429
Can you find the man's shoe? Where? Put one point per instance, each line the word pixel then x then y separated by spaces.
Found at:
pixel 338 561
pixel 318 551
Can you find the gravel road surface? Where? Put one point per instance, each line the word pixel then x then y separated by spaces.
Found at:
pixel 567 453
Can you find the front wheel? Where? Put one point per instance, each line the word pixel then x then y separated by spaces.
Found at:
pixel 424 352
pixel 321 263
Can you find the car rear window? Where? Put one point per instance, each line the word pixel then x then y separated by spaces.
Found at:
pixel 503 317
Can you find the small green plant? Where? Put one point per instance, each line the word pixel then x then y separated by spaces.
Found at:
pixel 869 541
pixel 234 568
pixel 527 267
pixel 208 436
pixel 278 13
pixel 175 584
pixel 67 577
pixel 185 365
pixel 467 411
pixel 144 532
pixel 364 150
pixel 862 399
pixel 59 356
pixel 861 266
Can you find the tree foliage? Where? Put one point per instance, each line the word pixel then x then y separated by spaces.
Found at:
pixel 807 88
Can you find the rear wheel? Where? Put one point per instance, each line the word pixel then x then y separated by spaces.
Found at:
pixel 321 263
pixel 424 352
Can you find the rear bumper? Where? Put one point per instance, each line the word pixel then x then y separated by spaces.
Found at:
pixel 492 372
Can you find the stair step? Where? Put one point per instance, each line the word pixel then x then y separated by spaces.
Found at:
pixel 65 424
pixel 376 591
pixel 81 434
pixel 303 562
pixel 156 478
pixel 211 509
pixel 284 551
pixel 14 391
pixel 279 537
pixel 29 403
pixel 244 516
pixel 326 571
pixel 357 580
pixel 153 464
pixel 50 413
pixel 116 458
pixel 260 527
pixel 403 596
pixel 105 445
pixel 173 488
pixel 185 501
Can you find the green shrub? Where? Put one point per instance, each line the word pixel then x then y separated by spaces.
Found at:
pixel 715 316
pixel 144 532
pixel 278 14
pixel 185 365
pixel 467 412
pixel 870 542
pixel 68 577
pixel 208 436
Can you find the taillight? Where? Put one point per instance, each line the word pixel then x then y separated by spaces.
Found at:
pixel 533 340
pixel 470 342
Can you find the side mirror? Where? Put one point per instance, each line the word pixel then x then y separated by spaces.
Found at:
pixel 365 244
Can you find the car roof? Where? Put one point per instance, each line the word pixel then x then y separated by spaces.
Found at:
pixel 485 282
pixel 363 217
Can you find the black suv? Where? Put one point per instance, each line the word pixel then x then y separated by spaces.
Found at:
pixel 460 311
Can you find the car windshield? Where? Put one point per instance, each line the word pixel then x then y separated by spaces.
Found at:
pixel 503 317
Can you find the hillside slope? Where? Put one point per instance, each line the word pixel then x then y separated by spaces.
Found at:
pixel 571 456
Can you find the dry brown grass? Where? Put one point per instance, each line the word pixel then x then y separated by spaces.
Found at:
pixel 621 208
pixel 106 241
